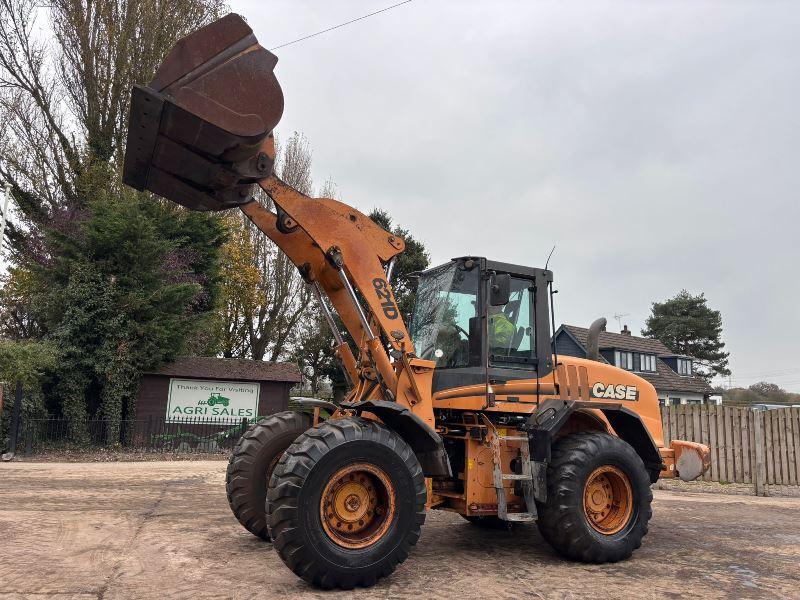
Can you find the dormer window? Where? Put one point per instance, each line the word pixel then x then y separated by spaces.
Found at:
pixel 647 363
pixel 684 366
pixel 624 360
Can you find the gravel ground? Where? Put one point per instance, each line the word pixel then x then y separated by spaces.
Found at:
pixel 164 530
pixel 111 455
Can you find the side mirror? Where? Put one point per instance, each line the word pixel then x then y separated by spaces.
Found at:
pixel 499 289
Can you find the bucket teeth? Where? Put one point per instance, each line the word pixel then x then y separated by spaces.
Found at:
pixel 201 133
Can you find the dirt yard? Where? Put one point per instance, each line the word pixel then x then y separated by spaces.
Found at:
pixel 164 530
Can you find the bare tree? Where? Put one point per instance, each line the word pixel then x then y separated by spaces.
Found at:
pixel 64 98
pixel 314 349
pixel 264 297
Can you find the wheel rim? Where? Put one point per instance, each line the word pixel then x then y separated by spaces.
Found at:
pixel 608 500
pixel 357 505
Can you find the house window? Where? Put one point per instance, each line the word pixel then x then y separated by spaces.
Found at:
pixel 647 362
pixel 684 366
pixel 624 360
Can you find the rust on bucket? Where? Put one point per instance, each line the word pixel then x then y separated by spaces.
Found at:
pixel 201 133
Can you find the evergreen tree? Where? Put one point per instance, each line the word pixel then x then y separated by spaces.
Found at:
pixel 135 290
pixel 117 281
pixel 686 325
pixel 414 259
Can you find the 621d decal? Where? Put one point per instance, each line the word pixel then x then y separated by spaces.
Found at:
pixel 385 296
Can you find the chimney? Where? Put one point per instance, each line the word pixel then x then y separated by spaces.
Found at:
pixel 625 330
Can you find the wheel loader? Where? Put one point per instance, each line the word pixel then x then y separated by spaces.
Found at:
pixel 467 408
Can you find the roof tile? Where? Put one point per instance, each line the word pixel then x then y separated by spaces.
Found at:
pixel 230 368
pixel 618 340
pixel 665 379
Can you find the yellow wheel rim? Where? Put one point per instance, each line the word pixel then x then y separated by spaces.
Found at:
pixel 608 500
pixel 357 505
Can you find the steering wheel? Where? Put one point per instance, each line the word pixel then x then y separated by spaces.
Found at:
pixel 426 354
pixel 428 351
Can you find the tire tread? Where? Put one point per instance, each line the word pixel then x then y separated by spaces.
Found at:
pixel 561 519
pixel 285 486
pixel 249 509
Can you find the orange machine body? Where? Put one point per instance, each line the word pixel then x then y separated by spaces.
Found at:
pixel 314 231
pixel 201 135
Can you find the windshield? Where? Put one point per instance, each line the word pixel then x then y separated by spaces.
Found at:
pixel 446 301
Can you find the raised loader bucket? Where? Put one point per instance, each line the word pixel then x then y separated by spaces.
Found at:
pixel 201 133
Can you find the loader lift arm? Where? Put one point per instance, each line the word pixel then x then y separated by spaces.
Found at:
pixel 201 135
pixel 339 248
pixel 398 393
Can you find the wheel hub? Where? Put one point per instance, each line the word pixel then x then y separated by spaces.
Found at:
pixel 357 505
pixel 608 500
pixel 352 503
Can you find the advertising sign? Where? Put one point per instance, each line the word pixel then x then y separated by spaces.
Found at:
pixel 197 400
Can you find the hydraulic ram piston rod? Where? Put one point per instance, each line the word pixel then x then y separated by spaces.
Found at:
pixel 337 335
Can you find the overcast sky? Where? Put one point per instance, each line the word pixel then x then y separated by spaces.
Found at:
pixel 654 144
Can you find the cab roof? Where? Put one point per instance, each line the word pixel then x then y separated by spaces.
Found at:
pixel 500 267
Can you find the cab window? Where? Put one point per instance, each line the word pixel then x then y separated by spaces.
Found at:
pixel 511 327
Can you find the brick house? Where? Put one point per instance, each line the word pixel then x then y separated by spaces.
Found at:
pixel 671 374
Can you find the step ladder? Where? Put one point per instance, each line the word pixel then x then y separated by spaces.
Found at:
pixel 526 477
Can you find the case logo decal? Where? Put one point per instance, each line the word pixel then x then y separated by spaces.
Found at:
pixel 615 392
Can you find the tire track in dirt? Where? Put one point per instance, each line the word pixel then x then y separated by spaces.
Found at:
pixel 117 568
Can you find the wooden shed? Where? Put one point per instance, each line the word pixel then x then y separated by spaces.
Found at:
pixel 195 389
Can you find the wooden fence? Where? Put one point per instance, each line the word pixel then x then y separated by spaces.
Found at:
pixel 761 447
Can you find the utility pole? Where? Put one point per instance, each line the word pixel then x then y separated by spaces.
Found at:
pixel 4 216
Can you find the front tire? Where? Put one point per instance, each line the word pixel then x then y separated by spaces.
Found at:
pixel 251 465
pixel 346 503
pixel 598 498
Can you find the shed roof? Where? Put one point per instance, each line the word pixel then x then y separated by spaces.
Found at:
pixel 208 367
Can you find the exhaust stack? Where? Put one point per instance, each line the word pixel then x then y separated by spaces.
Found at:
pixel 593 339
pixel 201 133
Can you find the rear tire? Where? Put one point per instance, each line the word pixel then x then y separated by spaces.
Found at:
pixel 346 503
pixel 598 498
pixel 251 465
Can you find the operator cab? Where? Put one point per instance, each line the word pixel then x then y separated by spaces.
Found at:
pixel 473 314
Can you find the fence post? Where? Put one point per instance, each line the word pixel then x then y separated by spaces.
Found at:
pixel 760 475
pixel 29 438
pixel 13 432
pixel 244 426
